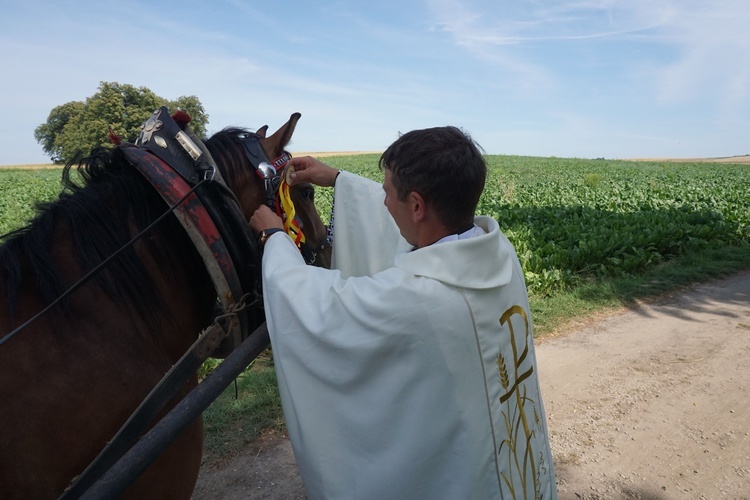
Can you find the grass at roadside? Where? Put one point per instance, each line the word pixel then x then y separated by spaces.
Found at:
pixel 243 411
pixel 565 311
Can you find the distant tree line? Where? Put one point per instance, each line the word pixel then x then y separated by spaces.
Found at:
pixel 75 128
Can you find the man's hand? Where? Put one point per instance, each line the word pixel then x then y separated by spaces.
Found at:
pixel 265 218
pixel 308 169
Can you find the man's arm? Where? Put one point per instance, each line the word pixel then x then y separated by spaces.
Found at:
pixel 308 169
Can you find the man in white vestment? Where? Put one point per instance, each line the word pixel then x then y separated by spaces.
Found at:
pixel 408 370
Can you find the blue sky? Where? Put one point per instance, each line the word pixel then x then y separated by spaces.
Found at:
pixel 577 78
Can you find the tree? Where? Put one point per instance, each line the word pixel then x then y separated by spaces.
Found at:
pixel 192 106
pixel 50 134
pixel 78 127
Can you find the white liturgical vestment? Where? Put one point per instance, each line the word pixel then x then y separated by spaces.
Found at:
pixel 407 374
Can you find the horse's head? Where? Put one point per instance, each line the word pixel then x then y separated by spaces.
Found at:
pixel 231 155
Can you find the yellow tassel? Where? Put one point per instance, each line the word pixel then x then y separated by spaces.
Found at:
pixel 291 226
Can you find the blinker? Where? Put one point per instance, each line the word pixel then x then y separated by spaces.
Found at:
pixel 265 170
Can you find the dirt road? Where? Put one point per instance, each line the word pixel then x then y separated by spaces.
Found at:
pixel 650 403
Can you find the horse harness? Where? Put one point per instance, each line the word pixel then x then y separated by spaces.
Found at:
pixel 277 197
pixel 179 166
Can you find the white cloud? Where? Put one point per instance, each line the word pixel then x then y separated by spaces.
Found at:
pixel 515 22
pixel 519 37
pixel 553 77
pixel 712 42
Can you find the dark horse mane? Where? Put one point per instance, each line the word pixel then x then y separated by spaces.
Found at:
pixel 110 203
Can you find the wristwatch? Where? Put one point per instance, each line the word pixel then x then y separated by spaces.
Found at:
pixel 265 234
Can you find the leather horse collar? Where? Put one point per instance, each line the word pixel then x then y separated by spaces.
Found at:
pixel 179 163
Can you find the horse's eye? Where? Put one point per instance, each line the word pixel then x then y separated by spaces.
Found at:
pixel 308 194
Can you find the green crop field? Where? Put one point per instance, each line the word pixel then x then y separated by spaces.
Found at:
pixel 20 190
pixel 592 235
pixel 572 219
pixel 569 219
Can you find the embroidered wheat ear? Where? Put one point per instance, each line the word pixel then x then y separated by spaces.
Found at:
pixel 502 371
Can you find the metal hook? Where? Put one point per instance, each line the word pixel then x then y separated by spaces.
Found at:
pixel 210 173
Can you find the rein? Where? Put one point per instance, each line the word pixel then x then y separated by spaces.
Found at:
pixel 180 168
pixel 88 276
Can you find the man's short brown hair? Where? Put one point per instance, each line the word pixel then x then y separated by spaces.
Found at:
pixel 444 165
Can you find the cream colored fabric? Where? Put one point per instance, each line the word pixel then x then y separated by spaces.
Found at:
pixel 415 382
pixel 366 237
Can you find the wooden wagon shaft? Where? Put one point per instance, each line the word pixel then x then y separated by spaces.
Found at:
pixel 160 395
pixel 125 471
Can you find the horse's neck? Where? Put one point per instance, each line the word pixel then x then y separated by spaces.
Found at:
pixel 186 296
pixel 159 291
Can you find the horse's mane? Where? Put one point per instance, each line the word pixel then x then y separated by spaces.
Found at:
pixel 229 153
pixel 102 210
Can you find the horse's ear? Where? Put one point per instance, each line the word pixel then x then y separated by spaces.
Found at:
pixel 261 132
pixel 274 145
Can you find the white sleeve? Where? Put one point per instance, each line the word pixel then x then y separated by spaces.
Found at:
pixel 366 238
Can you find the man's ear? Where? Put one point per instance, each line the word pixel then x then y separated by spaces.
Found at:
pixel 417 206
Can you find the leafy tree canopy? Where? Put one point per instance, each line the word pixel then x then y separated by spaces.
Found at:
pixel 78 127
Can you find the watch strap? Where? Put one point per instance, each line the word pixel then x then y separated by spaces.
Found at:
pixel 266 233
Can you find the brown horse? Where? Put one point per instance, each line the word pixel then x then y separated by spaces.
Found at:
pixel 70 379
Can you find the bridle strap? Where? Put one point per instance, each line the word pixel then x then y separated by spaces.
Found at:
pixel 270 172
